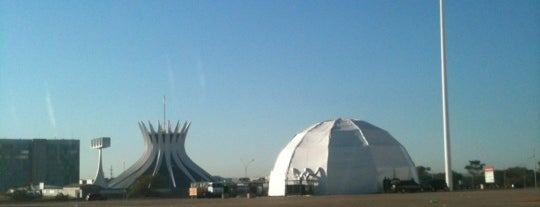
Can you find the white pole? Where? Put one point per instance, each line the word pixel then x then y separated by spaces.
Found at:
pixel 446 124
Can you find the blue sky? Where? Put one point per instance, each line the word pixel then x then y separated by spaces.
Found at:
pixel 252 74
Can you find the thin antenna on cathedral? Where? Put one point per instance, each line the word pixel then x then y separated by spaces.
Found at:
pixel 164 111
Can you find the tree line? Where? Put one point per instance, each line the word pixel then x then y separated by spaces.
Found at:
pixel 512 177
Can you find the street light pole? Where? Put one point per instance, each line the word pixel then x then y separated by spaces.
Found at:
pixel 538 169
pixel 535 184
pixel 446 124
pixel 535 168
pixel 246 165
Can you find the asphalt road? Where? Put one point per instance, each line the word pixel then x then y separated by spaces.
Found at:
pixel 519 197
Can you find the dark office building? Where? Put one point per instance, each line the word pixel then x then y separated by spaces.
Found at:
pixel 31 161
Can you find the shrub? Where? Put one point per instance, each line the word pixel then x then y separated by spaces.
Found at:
pixel 61 197
pixel 142 187
pixel 21 195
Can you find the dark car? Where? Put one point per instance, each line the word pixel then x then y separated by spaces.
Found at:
pixel 95 197
pixel 435 185
pixel 403 186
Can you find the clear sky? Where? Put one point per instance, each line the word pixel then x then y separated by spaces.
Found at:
pixel 249 75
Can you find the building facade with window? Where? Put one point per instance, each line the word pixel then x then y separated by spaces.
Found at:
pixel 25 162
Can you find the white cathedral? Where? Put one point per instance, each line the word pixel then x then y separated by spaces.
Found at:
pixel 164 156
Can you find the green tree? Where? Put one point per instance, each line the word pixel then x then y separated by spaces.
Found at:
pixel 456 177
pixel 143 187
pixel 519 177
pixel 423 173
pixel 475 168
pixel 499 178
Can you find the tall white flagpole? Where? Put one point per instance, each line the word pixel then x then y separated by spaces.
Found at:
pixel 446 123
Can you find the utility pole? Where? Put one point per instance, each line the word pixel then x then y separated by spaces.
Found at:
pixel 534 170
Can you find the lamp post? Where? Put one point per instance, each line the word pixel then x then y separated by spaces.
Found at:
pixel 246 165
pixel 534 168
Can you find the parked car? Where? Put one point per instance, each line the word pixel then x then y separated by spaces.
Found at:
pixel 95 197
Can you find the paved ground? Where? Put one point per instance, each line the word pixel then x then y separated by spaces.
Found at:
pixel 527 197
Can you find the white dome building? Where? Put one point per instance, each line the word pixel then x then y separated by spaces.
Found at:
pixel 342 156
